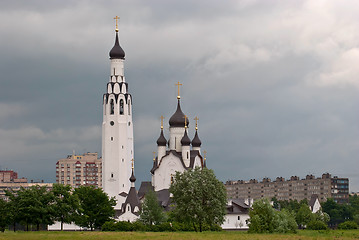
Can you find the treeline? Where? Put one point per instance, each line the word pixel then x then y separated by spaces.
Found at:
pixel 337 213
pixel 288 216
pixel 85 206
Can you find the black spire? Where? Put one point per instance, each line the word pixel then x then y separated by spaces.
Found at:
pixel 117 51
pixel 161 141
pixel 185 141
pixel 178 118
pixel 196 142
pixel 132 178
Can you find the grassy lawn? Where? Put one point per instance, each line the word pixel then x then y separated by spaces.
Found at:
pixel 301 235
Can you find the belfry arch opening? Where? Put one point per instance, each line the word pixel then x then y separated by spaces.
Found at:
pixel 112 107
pixel 121 107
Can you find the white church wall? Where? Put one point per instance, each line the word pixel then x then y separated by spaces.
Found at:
pixel 169 165
pixel 197 162
pixel 176 134
pixel 66 227
pixel 235 221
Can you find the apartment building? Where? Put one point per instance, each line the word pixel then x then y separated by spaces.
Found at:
pixel 9 176
pixel 292 189
pixel 77 170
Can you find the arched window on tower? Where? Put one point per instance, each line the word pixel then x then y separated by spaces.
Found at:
pixel 121 106
pixel 129 107
pixel 112 107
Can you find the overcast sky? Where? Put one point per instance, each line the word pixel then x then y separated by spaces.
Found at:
pixel 274 83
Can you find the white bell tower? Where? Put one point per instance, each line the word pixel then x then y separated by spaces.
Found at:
pixel 117 129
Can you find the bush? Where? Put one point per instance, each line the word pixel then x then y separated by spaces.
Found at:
pixel 284 222
pixel 317 225
pixel 109 226
pixel 348 225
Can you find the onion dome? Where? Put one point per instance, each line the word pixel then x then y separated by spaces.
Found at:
pixel 178 118
pixel 132 178
pixel 161 141
pixel 185 141
pixel 196 142
pixel 117 51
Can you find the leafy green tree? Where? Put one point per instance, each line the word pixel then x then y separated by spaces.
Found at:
pixel 32 206
pixel 338 212
pixel 65 204
pixel 152 212
pixel 284 222
pixel 13 208
pixel 265 219
pixel 262 217
pixel 4 215
pixel 304 215
pixel 95 207
pixel 199 197
pixel 291 205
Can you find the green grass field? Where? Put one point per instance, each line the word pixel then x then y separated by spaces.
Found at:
pixel 301 235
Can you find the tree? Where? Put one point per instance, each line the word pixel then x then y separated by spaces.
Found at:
pixel 95 207
pixel 338 212
pixel 152 212
pixel 285 222
pixel 31 206
pixel 4 215
pixel 265 219
pixel 304 215
pixel 65 204
pixel 13 208
pixel 199 197
pixel 262 217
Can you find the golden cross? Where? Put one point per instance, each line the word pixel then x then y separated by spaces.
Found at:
pixel 204 155
pixel 185 121
pixel 117 18
pixel 154 156
pixel 178 84
pixel 132 162
pixel 196 118
pixel 162 117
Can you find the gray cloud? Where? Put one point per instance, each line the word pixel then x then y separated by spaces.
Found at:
pixel 274 83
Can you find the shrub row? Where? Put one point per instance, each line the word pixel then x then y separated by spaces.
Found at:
pixel 163 227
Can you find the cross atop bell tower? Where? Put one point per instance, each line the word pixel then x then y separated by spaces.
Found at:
pixel 117 18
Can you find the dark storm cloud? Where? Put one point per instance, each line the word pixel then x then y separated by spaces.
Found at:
pixel 274 83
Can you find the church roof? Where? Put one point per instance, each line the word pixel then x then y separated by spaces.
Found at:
pixel 117 51
pixel 196 142
pixel 178 118
pixel 238 206
pixel 193 155
pixel 144 188
pixel 161 141
pixel 185 141
pixel 132 198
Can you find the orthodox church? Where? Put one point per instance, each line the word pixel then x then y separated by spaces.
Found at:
pixel 178 154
